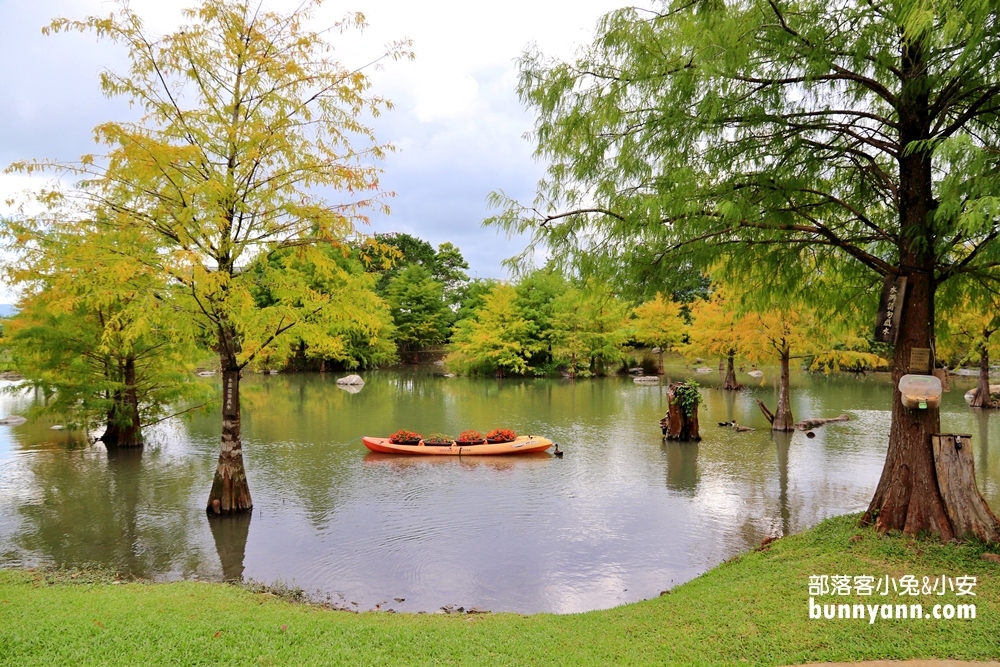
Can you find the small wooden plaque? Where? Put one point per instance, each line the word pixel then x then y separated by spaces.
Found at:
pixel 920 360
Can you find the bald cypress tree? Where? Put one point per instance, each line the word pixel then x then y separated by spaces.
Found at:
pixel 782 140
pixel 248 120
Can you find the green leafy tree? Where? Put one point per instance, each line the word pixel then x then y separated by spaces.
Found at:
pixel 537 293
pixel 418 308
pixel 97 329
pixel 472 297
pixel 247 117
pixel 450 268
pixel 357 328
pixel 388 254
pixel 589 329
pixel 858 140
pixel 568 333
pixel 392 253
pixel 496 339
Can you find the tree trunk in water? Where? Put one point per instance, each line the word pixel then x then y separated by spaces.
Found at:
pixel 124 428
pixel 982 398
pixel 783 413
pixel 113 428
pixel 677 425
pixel 230 490
pixel 731 383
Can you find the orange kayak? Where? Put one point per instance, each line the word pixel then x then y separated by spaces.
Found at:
pixel 521 445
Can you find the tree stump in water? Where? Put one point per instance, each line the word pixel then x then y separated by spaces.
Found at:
pixel 956 475
pixel 681 420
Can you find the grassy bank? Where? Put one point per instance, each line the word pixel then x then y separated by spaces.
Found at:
pixel 751 610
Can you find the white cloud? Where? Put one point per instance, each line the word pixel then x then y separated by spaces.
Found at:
pixel 458 122
pixel 444 95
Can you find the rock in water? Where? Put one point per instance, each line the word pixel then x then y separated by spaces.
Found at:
pixel 351 380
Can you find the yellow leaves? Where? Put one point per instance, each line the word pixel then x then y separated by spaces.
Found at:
pixel 848 360
pixel 658 323
pixel 718 327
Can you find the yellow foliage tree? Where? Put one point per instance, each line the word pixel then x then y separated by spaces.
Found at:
pixel 658 323
pixel 722 326
pixel 97 328
pixel 714 332
pixel 966 332
pixel 247 119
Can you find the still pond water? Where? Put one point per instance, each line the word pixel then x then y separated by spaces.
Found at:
pixel 620 518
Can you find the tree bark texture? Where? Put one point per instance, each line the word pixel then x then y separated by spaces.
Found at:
pixel 982 398
pixel 908 497
pixel 230 490
pixel 968 512
pixel 124 428
pixel 783 420
pixel 677 425
pixel 730 383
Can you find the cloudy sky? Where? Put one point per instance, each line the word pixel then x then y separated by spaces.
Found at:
pixel 457 124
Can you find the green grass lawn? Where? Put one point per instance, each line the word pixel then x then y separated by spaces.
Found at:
pixel 750 610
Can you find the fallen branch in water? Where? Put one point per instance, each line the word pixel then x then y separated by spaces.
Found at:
pixel 807 424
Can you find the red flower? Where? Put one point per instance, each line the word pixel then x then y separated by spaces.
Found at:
pixel 501 435
pixel 402 435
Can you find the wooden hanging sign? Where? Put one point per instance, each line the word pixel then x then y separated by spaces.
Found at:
pixel 920 360
pixel 890 308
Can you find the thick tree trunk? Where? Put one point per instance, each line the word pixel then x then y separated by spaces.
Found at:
pixel 908 497
pixel 731 384
pixel 968 512
pixel 124 428
pixel 230 490
pixel 783 414
pixel 112 428
pixel 677 425
pixel 982 398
